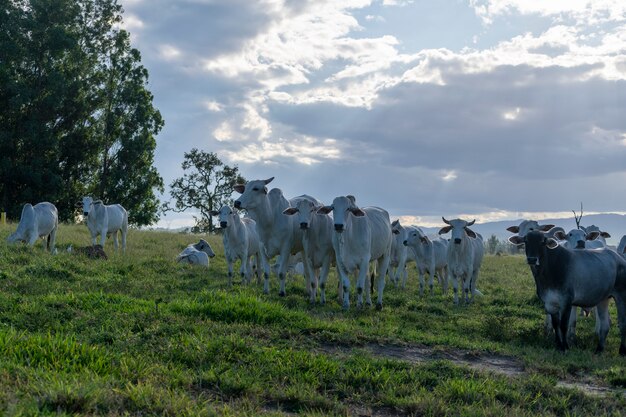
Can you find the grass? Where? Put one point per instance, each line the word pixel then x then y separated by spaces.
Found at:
pixel 141 335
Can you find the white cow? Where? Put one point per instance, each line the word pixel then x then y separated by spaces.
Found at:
pixel 598 242
pixel 399 254
pixel 279 234
pixel 317 244
pixel 527 226
pixel 431 256
pixel 579 239
pixel 621 248
pixel 465 255
pixel 361 236
pixel 196 254
pixel 105 220
pixel 241 241
pixel 40 220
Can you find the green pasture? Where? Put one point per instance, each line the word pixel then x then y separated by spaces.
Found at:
pixel 139 335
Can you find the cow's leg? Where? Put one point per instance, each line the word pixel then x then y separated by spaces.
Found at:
pixel 383 264
pixel 571 327
pixel 244 270
pixel 230 261
pixel 323 278
pixel 455 287
pixel 115 242
pixel 431 272
pixel 602 330
pixel 52 237
pixel 344 286
pixel 467 284
pixel 620 303
pixel 360 283
pixel 123 233
pixel 564 324
pixel 32 237
pixel 547 325
pixel 420 273
pixel 282 270
pixel 103 236
pixel 444 280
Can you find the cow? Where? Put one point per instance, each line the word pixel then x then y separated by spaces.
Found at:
pixel 361 236
pixel 279 234
pixel 621 248
pixel 576 277
pixel 317 244
pixel 430 257
pixel 464 256
pixel 579 239
pixel 399 254
pixel 40 220
pixel 196 254
pixel 105 220
pixel 241 241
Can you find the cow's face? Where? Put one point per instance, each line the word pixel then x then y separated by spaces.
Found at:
pixel 204 246
pixel 459 229
pixel 252 193
pixel 225 216
pixel 414 237
pixel 527 226
pixel 536 243
pixel 576 238
pixel 305 211
pixel 87 205
pixel 341 208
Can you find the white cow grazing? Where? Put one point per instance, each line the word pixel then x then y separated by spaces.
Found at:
pixel 241 241
pixel 40 220
pixel 361 236
pixel 431 256
pixel 105 220
pixel 317 244
pixel 279 234
pixel 465 255
pixel 399 254
pixel 196 254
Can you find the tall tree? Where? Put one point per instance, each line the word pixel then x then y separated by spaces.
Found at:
pixel 66 70
pixel 206 185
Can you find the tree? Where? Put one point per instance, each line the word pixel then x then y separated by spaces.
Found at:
pixel 492 244
pixel 74 106
pixel 206 185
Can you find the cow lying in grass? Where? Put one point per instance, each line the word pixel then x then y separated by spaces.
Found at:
pixel 197 254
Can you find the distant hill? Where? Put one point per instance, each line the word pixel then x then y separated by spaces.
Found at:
pixel 615 224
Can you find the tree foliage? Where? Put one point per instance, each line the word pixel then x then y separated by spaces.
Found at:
pixel 76 117
pixel 206 185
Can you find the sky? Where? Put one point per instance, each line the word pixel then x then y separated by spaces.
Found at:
pixel 489 109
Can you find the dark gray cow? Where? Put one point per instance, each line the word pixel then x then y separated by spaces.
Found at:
pixel 584 278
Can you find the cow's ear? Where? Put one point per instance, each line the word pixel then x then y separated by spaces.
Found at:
pixel 445 230
pixel 395 231
pixel 592 235
pixel 470 232
pixel 560 235
pixel 546 227
pixel 357 212
pixel 513 229
pixel 290 211
pixel 551 243
pixel 425 240
pixel 240 188
pixel 516 240
pixel 264 190
pixel 325 209
pixel 214 213
pixel 605 235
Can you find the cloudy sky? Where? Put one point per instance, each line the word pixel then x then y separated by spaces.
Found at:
pixel 494 109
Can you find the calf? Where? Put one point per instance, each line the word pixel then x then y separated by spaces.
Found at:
pixel 361 236
pixel 317 244
pixel 465 255
pixel 197 254
pixel 430 256
pixel 585 278
pixel 40 220
pixel 105 220
pixel 241 241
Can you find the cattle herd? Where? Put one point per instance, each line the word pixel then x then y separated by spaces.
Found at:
pixel 574 269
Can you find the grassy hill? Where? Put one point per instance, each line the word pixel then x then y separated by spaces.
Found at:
pixel 141 335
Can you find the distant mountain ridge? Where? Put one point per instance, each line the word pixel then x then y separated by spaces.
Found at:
pixel 615 224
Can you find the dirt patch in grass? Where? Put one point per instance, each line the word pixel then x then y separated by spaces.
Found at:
pixel 481 361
